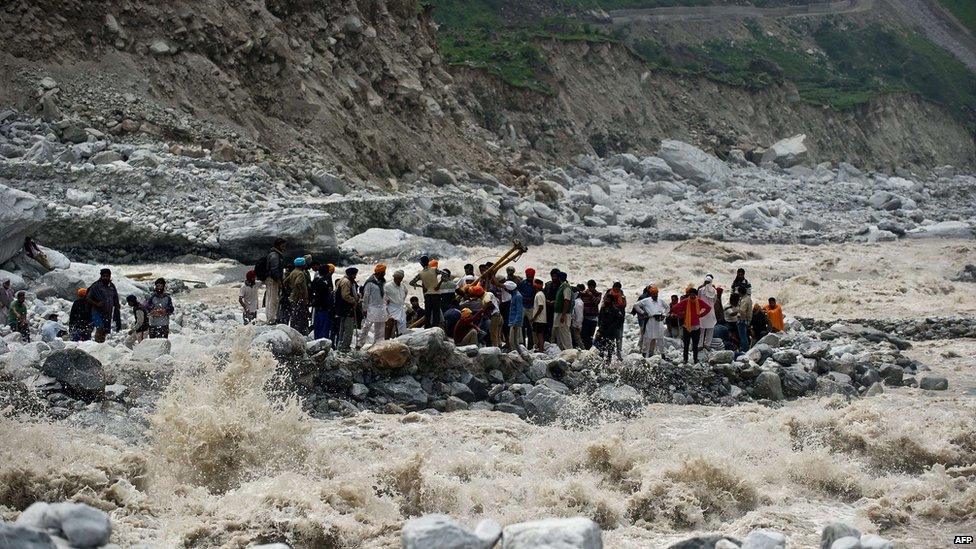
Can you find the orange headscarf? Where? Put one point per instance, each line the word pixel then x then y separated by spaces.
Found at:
pixel 691 312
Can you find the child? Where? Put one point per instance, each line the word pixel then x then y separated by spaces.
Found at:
pixel 140 326
pixel 248 297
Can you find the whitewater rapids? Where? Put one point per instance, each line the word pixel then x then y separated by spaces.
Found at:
pixel 224 466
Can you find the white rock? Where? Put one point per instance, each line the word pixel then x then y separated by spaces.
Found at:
pixel 694 164
pixel 150 349
pixel 571 533
pixel 944 229
pixel 442 532
pixel 385 243
pixel 787 152
pixel 21 215
pixel 764 539
pixel 872 541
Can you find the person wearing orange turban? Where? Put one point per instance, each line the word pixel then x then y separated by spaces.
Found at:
pixel 79 319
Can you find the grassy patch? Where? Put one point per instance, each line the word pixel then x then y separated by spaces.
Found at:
pixel 852 66
pixel 964 11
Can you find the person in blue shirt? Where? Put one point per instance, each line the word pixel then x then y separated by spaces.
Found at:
pixel 516 315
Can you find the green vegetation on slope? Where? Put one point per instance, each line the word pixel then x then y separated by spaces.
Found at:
pixel 964 11
pixel 853 65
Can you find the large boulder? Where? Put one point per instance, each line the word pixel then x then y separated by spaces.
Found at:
pixel 82 525
pixel 618 396
pixel 545 403
pixel 379 243
pixel 21 215
pixel 564 533
pixel 150 349
pixel 248 237
pixel 283 341
pixel 79 372
pixel 944 229
pixel 442 532
pixel 768 385
pixel 389 354
pixel 403 390
pixel 64 283
pixel 787 152
pixel 694 164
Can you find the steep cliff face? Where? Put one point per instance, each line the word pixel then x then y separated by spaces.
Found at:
pixel 358 88
pixel 354 83
pixel 606 99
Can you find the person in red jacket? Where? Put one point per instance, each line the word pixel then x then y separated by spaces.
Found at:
pixel 689 311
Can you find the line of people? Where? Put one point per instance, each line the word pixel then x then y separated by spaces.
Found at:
pixel 95 309
pixel 501 310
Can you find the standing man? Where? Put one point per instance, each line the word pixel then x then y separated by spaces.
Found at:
pixel 551 289
pixel 160 306
pixel 275 265
pixel 591 313
pixel 322 301
pixel 672 321
pixel 429 281
pixel 6 297
pixel 745 317
pixel 708 294
pixel 656 311
pixel 516 315
pixel 104 299
pixel 576 324
pixel 613 311
pixel 248 297
pixel 447 290
pixel 740 281
pixel 79 319
pixel 296 286
pixel 538 317
pixel 395 294
pixel 17 318
pixel 374 306
pixel 527 289
pixel 562 333
pixel 347 303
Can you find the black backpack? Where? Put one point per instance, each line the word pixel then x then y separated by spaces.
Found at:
pixel 261 269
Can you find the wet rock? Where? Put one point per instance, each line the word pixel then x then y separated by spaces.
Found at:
pixel 543 403
pixel 20 537
pixel 619 396
pixel 847 543
pixel 706 542
pixel 768 385
pixel 721 357
pixel 82 525
pixel 149 350
pixel 933 383
pixel 764 539
pixel 440 531
pixel 80 373
pixel 404 390
pixel 872 541
pixel 944 229
pixel 279 341
pixel 836 531
pixel 567 533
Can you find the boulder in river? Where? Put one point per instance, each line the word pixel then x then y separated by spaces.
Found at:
pixel 441 531
pixel 564 533
pixel 79 372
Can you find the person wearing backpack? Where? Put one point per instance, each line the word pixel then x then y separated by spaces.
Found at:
pixel 270 271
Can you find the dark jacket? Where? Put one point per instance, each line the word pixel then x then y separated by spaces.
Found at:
pixel 276 265
pixel 322 294
pixel 104 298
pixel 80 316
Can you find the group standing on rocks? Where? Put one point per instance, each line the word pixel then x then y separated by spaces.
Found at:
pixel 489 308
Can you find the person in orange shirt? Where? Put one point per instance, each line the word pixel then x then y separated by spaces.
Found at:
pixel 774 312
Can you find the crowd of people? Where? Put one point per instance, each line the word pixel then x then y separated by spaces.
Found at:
pixel 93 312
pixel 505 310
pixel 486 308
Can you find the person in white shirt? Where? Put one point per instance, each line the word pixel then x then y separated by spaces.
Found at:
pixel 52 329
pixel 708 294
pixel 248 297
pixel 395 295
pixel 656 311
pixel 576 322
